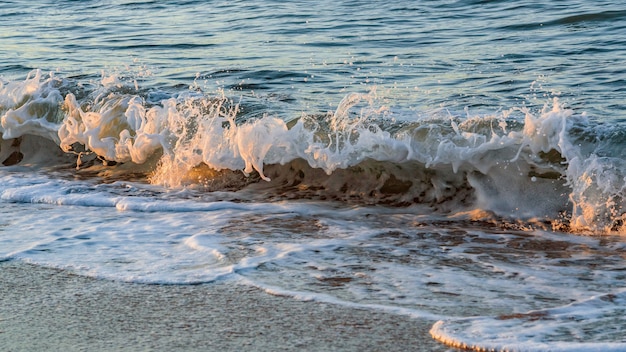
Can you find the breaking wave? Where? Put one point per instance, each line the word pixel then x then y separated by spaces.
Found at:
pixel 553 166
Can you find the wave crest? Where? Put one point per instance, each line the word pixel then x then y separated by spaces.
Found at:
pixel 550 164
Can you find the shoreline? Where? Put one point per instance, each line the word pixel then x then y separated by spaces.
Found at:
pixel 45 309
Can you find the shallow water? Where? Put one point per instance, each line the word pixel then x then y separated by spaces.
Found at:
pixel 459 161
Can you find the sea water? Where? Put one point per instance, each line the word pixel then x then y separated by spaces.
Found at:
pixel 456 161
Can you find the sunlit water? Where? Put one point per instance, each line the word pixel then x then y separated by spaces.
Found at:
pixel 456 161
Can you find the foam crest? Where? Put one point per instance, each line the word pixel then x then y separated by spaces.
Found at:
pixel 13 94
pixel 598 195
pixel 502 162
pixel 30 107
pixel 118 128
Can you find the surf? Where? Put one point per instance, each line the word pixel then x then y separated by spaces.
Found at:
pixel 549 165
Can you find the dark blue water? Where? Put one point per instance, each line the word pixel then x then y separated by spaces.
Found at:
pixel 456 161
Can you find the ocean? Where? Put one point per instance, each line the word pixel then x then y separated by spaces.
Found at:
pixel 459 161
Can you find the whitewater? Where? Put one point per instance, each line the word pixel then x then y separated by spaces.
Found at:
pixel 457 161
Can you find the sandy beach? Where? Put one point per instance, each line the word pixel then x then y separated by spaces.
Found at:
pixel 43 309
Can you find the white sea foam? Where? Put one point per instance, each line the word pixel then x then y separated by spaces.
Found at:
pixel 509 163
pixel 590 325
pixel 400 260
pixel 480 196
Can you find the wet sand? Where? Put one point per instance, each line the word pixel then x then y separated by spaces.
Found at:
pixel 44 309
